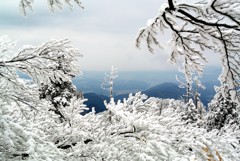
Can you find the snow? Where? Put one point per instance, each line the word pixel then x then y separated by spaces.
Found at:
pixel 137 129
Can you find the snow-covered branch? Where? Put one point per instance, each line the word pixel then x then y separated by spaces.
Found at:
pixel 24 5
pixel 198 27
pixel 52 61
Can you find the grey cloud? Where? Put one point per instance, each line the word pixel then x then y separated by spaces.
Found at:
pixel 104 31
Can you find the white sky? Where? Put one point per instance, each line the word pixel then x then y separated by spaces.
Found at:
pixel 104 31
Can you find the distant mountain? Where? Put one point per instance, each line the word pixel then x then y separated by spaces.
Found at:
pixel 132 82
pixel 95 100
pixel 164 90
pixel 207 94
pixel 88 85
pixel 171 90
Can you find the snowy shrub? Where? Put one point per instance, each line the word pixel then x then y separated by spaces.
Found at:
pixel 192 114
pixel 22 141
pixel 139 132
pixel 28 127
pixel 222 112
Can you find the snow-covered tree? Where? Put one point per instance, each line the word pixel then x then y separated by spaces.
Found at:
pixel 53 5
pixel 193 114
pixel 19 140
pixel 29 129
pixel 25 121
pixel 141 128
pixel 222 112
pixel 109 80
pixel 40 63
pixel 187 85
pixel 62 136
pixel 66 132
pixel 108 84
pixel 192 87
pixel 59 93
pixel 196 95
pixel 196 27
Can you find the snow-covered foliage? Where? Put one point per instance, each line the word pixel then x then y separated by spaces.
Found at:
pixel 196 27
pixel 193 114
pixel 11 88
pixel 150 129
pixel 53 5
pixel 40 63
pixel 19 140
pixel 192 87
pixel 62 133
pixel 222 112
pixel 187 85
pixel 28 126
pixel 59 94
pixel 140 128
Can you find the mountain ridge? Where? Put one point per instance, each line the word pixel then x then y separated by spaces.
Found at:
pixel 163 90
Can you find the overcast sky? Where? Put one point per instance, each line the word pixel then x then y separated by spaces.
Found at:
pixel 104 31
